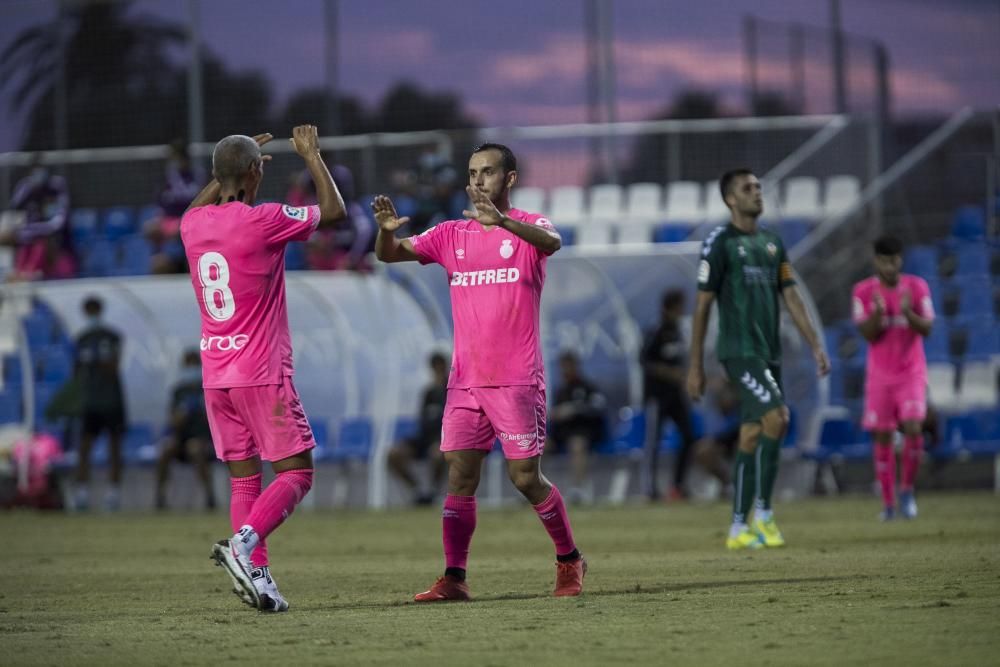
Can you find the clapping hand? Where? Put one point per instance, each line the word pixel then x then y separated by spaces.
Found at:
pixel 385 214
pixel 485 211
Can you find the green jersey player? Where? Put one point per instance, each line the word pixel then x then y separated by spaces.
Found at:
pixel 746 269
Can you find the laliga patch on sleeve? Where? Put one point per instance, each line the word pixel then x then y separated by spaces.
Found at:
pixel 859 309
pixel 300 213
pixel 543 222
pixel 703 271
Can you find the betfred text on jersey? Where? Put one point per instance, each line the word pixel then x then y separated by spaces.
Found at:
pixel 224 343
pixel 486 277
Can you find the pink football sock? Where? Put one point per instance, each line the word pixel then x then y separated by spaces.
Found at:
pixel 458 522
pixel 278 500
pixel 244 492
pixel 552 512
pixel 913 450
pixel 885 472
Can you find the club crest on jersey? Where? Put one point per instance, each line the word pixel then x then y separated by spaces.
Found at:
pixel 506 249
pixel 741 250
pixel 460 253
pixel 772 249
pixel 300 213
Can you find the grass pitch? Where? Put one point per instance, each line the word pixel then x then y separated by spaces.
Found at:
pixel 140 590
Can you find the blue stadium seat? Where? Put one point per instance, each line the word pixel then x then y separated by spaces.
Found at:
pixel 53 363
pixel 295 256
pixel 921 261
pixel 406 427
pixel 12 373
pixel 140 444
pixel 83 225
pixel 792 231
pixel 670 437
pixel 628 433
pixel 354 439
pixel 118 222
pixel 936 345
pixel 320 434
pixel 146 213
pixel 98 259
pixel 10 404
pixel 671 233
pixel 135 254
pixel 568 234
pixel 984 340
pixel 973 259
pixel 971 300
pixel 969 223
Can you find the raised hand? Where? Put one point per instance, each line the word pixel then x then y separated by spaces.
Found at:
pixel 485 211
pixel 305 141
pixel 385 214
pixel 262 139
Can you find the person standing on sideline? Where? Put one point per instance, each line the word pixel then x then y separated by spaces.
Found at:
pixel 663 360
pixel 894 312
pixel 745 267
pixel 102 402
pixel 495 262
pixel 236 254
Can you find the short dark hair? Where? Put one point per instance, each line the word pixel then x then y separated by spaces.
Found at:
pixel 437 358
pixel 93 305
pixel 507 159
pixel 673 297
pixel 888 245
pixel 727 179
pixel 233 157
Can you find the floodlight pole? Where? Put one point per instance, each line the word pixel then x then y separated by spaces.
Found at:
pixel 196 102
pixel 331 64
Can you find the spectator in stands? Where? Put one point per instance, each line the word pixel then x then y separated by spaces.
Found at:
pixel 189 439
pixel 578 421
pixel 715 452
pixel 663 360
pixel 426 443
pixel 184 181
pixel 40 235
pixel 96 372
pixel 346 246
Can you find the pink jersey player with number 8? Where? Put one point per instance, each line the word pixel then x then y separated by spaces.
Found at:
pixel 236 255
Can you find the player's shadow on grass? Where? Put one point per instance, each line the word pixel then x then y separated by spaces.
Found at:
pixel 636 589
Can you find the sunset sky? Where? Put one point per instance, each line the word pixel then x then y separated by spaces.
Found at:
pixel 521 62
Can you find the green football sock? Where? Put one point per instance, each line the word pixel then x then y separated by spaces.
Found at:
pixel 768 453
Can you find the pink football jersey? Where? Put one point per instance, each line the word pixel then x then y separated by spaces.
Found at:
pixel 237 259
pixel 898 354
pixel 496 290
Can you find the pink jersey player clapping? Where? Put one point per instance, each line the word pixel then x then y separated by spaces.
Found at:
pixel 495 265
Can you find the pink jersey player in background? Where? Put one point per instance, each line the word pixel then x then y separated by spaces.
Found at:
pixel 236 252
pixel 893 311
pixel 495 263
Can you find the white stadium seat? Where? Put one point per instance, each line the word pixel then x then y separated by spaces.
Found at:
pixel 716 211
pixel 801 198
pixel 842 192
pixel 566 205
pixel 531 200
pixel 684 202
pixel 644 201
pixel 593 235
pixel 979 385
pixel 941 382
pixel 636 231
pixel 606 202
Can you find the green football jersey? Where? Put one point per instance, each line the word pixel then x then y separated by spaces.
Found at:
pixel 746 272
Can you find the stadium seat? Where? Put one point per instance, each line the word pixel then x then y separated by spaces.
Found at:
pixel 842 192
pixel 627 434
pixel 979 384
pixel 594 233
pixel 984 341
pixel 295 256
pixel 969 223
pixel 531 200
pixel 792 231
pixel 53 363
pixel 671 233
pixel 568 234
pixel 936 345
pixel 98 259
pixel 319 432
pixel 921 261
pixel 354 439
pixel 802 198
pixel 405 427
pixel 837 432
pixel 10 405
pixel 941 383
pixel 150 211
pixel 684 202
pixel 970 300
pixel 606 202
pixel 716 211
pixel 972 259
pixel 83 225
pixel 140 444
pixel 118 222
pixel 566 204
pixel 634 231
pixel 41 327
pixel 134 254
pixel 644 201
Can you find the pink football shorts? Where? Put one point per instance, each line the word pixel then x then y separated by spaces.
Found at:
pixel 265 420
pixel 475 417
pixel 887 405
